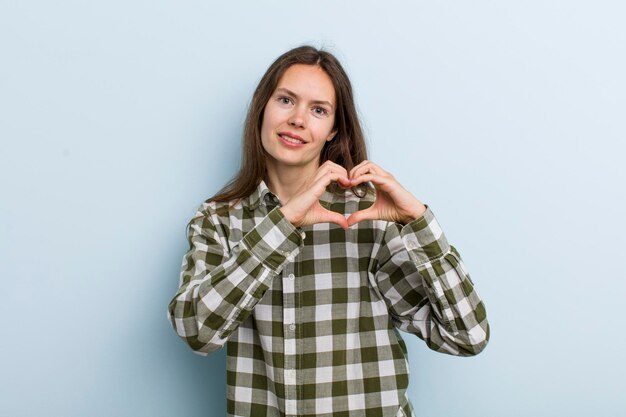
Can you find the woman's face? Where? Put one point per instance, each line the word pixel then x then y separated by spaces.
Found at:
pixel 298 118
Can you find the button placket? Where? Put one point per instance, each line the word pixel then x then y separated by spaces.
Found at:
pixel 289 339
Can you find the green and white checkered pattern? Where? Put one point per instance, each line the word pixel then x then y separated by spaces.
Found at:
pixel 311 315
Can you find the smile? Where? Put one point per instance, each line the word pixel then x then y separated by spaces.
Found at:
pixel 291 141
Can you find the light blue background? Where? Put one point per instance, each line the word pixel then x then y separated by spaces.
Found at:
pixel 117 119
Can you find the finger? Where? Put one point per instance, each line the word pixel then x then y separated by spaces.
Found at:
pixel 332 217
pixel 331 167
pixel 311 191
pixel 376 179
pixel 314 190
pixel 334 166
pixel 353 170
pixel 323 178
pixel 369 168
pixel 329 177
pixel 339 168
pixel 366 169
pixel 359 216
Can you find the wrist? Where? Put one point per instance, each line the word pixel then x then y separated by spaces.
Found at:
pixel 288 216
pixel 419 212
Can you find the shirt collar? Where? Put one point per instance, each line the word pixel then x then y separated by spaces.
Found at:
pixel 263 195
pixel 258 195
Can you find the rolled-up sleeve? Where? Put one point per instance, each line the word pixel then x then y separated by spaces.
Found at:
pixel 428 289
pixel 219 286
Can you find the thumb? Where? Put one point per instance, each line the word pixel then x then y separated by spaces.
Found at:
pixel 357 216
pixel 333 217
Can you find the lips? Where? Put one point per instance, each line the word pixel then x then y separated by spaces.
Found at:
pixel 291 140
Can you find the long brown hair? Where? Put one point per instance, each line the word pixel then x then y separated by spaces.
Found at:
pixel 347 149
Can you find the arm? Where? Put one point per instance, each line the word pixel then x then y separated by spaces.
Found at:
pixel 219 288
pixel 428 290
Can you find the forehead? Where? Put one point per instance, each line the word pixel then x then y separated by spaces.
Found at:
pixel 309 81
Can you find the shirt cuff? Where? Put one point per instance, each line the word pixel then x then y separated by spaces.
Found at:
pixel 424 238
pixel 274 241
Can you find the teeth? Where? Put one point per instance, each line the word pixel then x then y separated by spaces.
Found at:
pixel 292 140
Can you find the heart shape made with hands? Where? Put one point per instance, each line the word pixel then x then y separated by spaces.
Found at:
pixel 392 201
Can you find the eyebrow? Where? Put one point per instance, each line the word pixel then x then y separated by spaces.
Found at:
pixel 296 96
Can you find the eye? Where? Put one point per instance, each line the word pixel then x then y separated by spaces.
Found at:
pixel 283 99
pixel 322 111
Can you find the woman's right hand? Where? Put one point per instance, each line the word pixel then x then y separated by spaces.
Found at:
pixel 304 207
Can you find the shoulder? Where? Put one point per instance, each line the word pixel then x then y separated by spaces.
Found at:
pixel 219 208
pixel 216 214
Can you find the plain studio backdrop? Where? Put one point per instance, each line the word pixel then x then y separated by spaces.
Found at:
pixel 117 119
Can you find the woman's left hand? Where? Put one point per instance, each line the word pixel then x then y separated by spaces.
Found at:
pixel 393 202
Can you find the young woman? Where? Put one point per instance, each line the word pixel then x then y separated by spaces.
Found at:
pixel 307 272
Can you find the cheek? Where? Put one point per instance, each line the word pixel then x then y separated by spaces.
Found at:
pixel 270 123
pixel 324 130
pixel 264 121
pixel 266 125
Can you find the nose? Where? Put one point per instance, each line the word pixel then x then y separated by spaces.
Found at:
pixel 296 119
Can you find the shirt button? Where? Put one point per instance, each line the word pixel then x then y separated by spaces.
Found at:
pixel 292 277
pixel 292 326
pixel 303 235
pixel 411 244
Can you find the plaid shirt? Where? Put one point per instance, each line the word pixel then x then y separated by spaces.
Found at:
pixel 311 315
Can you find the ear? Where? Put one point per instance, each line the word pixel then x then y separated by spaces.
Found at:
pixel 331 135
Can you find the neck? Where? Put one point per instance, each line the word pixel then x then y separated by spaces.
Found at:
pixel 284 181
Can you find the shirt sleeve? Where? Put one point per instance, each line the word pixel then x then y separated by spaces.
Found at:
pixel 220 287
pixel 428 290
